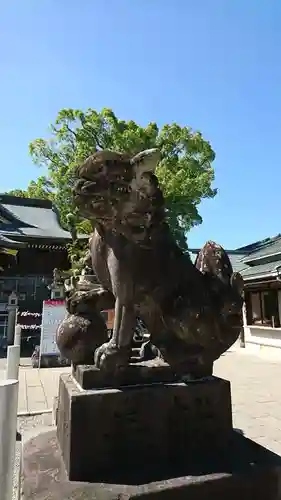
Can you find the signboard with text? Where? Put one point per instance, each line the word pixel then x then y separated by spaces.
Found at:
pixel 53 313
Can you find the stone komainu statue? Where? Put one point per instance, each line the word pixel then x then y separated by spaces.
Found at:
pixel 193 312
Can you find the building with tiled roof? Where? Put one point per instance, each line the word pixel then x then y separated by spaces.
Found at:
pixel 32 228
pixel 29 219
pixel 260 265
pixel 8 251
pixel 32 244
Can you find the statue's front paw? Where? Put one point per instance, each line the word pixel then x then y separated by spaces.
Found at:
pixel 110 357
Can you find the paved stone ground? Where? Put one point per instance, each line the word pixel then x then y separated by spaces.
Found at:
pixel 255 386
pixel 37 388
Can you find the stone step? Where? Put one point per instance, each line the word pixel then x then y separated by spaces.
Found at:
pixel 135 359
pixel 136 350
pixel 137 342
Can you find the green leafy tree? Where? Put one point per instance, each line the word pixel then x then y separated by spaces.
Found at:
pixel 185 171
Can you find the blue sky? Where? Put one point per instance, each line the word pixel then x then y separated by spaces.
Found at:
pixel 214 65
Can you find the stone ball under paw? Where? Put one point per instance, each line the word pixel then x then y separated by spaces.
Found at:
pixel 78 337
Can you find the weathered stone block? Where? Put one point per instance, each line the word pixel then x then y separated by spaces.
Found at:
pixel 146 372
pixel 104 430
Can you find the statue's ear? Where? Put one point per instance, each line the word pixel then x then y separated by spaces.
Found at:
pixel 146 161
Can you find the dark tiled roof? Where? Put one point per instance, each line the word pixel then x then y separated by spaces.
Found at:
pixel 7 243
pixel 253 247
pixel 236 261
pixel 30 218
pixel 272 247
pixel 262 270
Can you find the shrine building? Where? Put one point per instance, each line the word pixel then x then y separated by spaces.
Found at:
pixel 32 244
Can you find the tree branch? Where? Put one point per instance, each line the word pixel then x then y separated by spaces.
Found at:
pixel 71 131
pixel 51 160
pixel 94 135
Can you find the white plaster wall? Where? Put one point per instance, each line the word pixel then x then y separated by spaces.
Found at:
pixel 262 335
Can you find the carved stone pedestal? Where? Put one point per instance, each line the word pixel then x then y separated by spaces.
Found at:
pixel 170 440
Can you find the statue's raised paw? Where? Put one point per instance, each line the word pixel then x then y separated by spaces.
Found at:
pixel 111 358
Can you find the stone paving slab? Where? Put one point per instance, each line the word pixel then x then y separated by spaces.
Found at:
pixel 255 387
pixel 37 388
pixel 49 378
